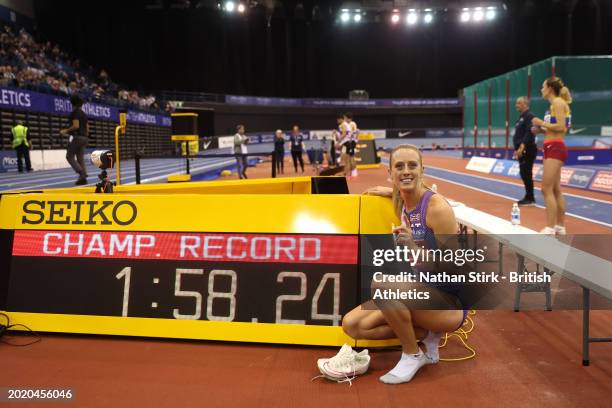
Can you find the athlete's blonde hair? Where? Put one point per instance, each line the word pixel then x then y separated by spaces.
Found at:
pixel 559 88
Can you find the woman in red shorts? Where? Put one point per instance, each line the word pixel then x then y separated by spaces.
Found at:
pixel 554 126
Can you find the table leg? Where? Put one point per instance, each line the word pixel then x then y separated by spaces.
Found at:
pixel 517 293
pixel 586 307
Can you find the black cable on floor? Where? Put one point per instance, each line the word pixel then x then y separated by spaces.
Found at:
pixel 4 328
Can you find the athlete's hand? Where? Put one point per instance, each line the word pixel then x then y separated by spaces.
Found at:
pixel 403 235
pixel 536 129
pixel 537 122
pixel 380 191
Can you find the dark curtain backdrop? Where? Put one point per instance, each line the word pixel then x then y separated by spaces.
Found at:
pixel 205 50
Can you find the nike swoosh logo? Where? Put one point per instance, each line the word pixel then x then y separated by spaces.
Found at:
pixel 400 134
pixel 205 146
pixel 574 131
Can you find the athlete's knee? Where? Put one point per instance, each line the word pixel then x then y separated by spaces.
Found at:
pixel 351 326
pixel 376 286
pixel 548 188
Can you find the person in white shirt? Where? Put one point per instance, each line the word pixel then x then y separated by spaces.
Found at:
pixel 344 144
pixel 353 136
pixel 240 150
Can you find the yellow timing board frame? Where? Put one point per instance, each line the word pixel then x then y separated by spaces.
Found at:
pixel 181 205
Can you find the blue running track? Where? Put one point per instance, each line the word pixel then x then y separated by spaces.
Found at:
pixel 151 171
pixel 589 209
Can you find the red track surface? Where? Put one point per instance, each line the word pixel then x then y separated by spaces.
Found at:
pixel 524 359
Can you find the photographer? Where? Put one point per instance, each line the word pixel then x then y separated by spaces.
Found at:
pixel 78 133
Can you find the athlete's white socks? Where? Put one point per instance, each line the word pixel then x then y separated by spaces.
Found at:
pixel 405 369
pixel 432 342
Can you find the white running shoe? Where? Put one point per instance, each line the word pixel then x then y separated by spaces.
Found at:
pixel 548 231
pixel 345 365
pixel 560 230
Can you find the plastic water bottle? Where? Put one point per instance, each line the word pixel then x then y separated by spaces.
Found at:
pixel 434 188
pixel 516 214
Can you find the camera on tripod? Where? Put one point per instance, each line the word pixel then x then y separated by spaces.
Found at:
pixel 103 159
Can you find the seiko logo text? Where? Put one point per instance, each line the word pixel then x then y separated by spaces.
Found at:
pixel 79 212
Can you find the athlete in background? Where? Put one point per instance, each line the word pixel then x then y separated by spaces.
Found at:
pixel 353 131
pixel 344 143
pixel 555 124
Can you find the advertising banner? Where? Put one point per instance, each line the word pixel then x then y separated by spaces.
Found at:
pixel 602 181
pixel 21 99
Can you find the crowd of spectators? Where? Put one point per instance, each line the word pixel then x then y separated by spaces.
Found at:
pixel 44 67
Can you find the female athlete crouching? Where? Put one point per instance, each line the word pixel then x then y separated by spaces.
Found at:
pixel 426 218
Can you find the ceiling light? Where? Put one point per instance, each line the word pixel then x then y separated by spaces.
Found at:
pixel 412 18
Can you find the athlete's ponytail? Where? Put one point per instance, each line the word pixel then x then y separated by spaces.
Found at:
pixel 559 88
pixel 565 94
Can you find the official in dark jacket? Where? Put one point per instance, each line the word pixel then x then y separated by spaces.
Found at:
pixel 525 149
